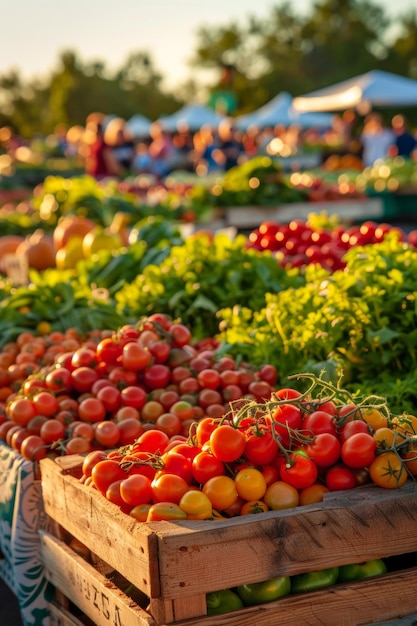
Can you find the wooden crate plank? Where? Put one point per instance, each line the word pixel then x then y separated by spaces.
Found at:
pixel 60 616
pixel 118 539
pixel 357 526
pixel 369 601
pixel 90 591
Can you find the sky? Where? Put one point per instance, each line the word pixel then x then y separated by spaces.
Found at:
pixel 34 32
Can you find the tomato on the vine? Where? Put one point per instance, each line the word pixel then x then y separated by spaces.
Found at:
pixel 205 466
pixel 227 443
pixel 388 470
pixel 299 471
pixel 359 450
pixel 320 422
pixel 261 448
pixel 136 489
pixel 324 450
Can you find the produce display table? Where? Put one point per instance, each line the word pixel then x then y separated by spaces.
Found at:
pixel 21 517
pixel 347 210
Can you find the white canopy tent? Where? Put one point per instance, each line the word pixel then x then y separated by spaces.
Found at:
pixel 191 116
pixel 279 111
pixel 373 89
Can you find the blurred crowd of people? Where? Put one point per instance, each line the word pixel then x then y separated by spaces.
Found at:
pixel 107 147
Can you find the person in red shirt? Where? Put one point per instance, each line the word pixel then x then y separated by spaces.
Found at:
pixel 99 160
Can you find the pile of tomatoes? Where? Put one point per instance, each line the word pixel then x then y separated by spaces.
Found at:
pixel 297 243
pixel 61 393
pixel 260 456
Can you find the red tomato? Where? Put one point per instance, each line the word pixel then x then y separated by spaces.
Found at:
pixel 319 422
pixel 261 449
pixel 299 471
pixel 84 357
pixel 227 443
pixel 153 441
pixel 136 489
pixel 260 389
pixel 269 374
pixel 169 423
pixel 168 488
pixel 122 377
pixel 33 448
pixel 324 450
pixel 204 429
pixel 351 428
pixel 109 350
pixel 359 450
pixel 107 434
pixel 174 463
pixel 180 334
pixel 286 417
pixel 209 378
pixel 91 459
pixel 59 379
pixel 106 472
pixel 339 477
pixel 157 376
pixel 206 397
pixel 129 430
pixel 113 495
pixel 82 429
pixel 83 378
pixel 91 410
pixel 135 357
pixel 286 393
pixel 21 411
pixel 186 450
pixel 205 466
pixel 110 396
pixel 52 430
pixel 134 396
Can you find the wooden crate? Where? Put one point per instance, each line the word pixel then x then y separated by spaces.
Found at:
pixel 175 564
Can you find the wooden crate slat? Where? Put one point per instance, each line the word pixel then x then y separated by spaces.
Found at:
pixel 94 594
pixel 118 539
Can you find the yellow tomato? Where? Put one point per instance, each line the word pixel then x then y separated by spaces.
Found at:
pixel 312 494
pixel 196 504
pixel 406 425
pixel 410 458
pixel 280 495
pixel 385 437
pixel 387 470
pixel 374 418
pixel 221 491
pixel 250 484
pixel 254 506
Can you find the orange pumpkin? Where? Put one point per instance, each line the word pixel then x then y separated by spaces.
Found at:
pixel 8 245
pixel 71 226
pixel 39 250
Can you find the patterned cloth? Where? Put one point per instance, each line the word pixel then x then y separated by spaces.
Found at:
pixel 21 517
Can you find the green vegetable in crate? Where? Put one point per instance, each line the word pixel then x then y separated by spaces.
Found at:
pixel 357 571
pixel 266 591
pixel 311 581
pixel 222 602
